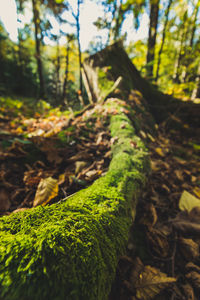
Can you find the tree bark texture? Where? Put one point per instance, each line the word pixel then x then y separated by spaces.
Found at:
pixel 117 62
pixel 163 38
pixel 154 9
pixel 36 18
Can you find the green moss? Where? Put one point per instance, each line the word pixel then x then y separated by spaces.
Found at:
pixel 69 250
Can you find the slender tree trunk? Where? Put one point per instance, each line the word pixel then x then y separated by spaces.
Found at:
pixel 181 51
pixel 66 74
pixel 154 10
pixel 58 70
pixel 163 38
pixel 119 19
pixel 194 27
pixel 196 90
pixel 36 19
pixel 79 46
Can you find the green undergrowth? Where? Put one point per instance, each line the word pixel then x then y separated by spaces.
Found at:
pixel 69 250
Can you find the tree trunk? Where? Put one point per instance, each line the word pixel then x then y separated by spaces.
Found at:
pixel 36 19
pixel 163 38
pixel 154 9
pixel 194 27
pixel 115 61
pixel 196 90
pixel 64 100
pixel 79 46
pixel 58 71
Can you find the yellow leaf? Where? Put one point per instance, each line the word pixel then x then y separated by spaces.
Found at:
pixel 19 130
pixel 47 189
pixel 160 152
pixel 188 202
pixel 151 282
pixel 196 190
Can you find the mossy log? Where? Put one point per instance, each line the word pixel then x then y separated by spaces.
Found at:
pixel 69 250
pixel 118 65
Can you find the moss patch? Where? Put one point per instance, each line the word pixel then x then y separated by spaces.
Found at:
pixel 70 250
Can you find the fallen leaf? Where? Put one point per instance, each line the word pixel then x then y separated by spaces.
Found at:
pixel 160 152
pixel 47 190
pixel 151 282
pixel 4 201
pixel 188 290
pixel 192 267
pixel 79 166
pixel 196 190
pixel 158 242
pixel 188 201
pixel 194 279
pixel 189 248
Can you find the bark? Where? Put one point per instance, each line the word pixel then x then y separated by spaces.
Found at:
pixel 117 62
pixel 79 46
pixel 194 27
pixel 196 90
pixel 66 75
pixel 163 38
pixel 154 9
pixel 36 19
pixel 58 71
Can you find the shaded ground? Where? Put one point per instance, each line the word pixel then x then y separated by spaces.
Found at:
pixel 50 156
pixel 165 234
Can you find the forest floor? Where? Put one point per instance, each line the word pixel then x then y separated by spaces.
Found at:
pixel 50 155
pixel 166 231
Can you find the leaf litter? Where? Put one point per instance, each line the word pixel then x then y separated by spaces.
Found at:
pixel 162 260
pixel 46 158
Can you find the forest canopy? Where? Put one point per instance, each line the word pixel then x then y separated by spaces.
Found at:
pixel 169 56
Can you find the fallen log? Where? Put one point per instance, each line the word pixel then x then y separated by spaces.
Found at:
pixel 113 62
pixel 70 250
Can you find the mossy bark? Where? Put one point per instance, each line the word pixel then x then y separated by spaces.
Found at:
pixel 70 250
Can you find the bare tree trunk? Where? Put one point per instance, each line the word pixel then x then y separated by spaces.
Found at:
pixel 194 27
pixel 178 61
pixel 36 19
pixel 163 38
pixel 196 90
pixel 79 46
pixel 154 9
pixel 119 19
pixel 64 100
pixel 58 71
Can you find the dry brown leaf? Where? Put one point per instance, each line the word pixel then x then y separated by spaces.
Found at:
pixel 93 174
pixel 188 291
pixel 136 269
pixel 79 166
pixel 151 282
pixel 192 267
pixel 179 174
pixel 149 217
pixel 189 248
pixel 47 190
pixel 158 242
pixel 194 279
pixel 188 223
pixel 155 165
pixel 4 200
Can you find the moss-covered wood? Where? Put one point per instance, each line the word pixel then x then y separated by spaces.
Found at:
pixel 115 61
pixel 70 250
